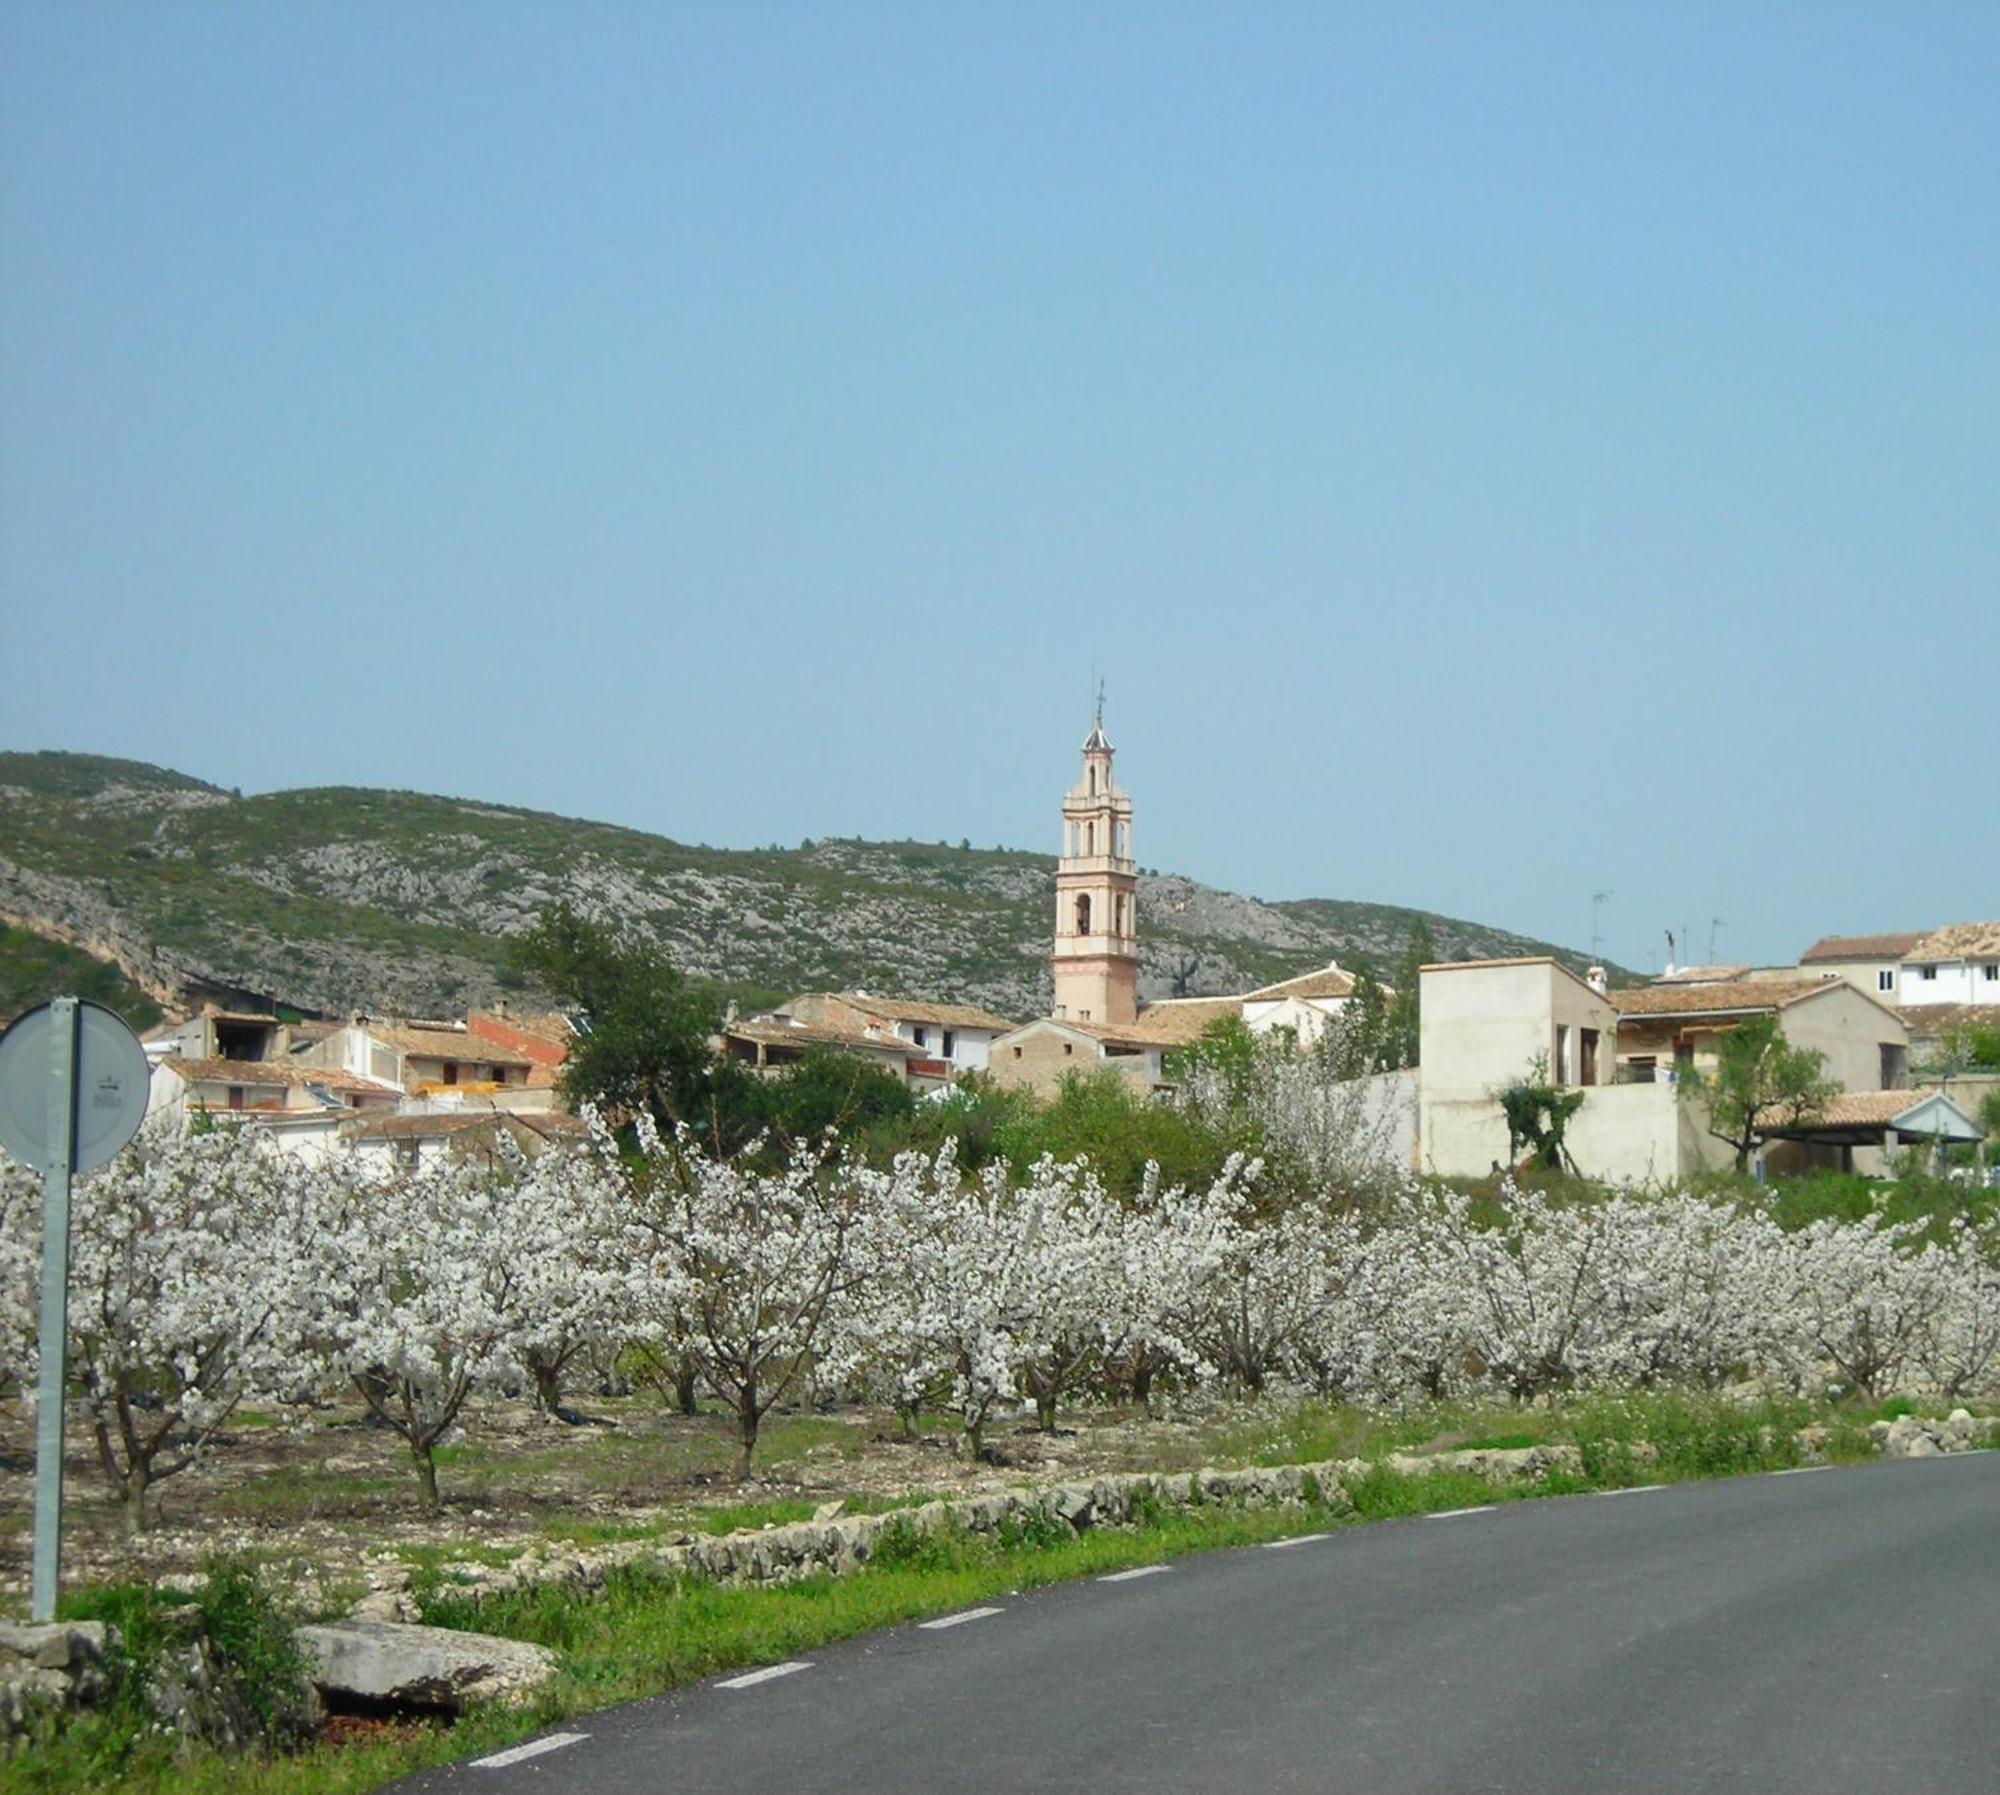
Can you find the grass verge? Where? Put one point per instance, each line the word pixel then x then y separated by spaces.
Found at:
pixel 646 1631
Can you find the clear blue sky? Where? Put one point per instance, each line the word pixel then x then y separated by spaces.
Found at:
pixel 1493 453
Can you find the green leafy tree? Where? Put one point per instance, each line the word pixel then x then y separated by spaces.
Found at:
pixel 838 1092
pixel 1403 1026
pixel 645 1029
pixel 1760 1082
pixel 1538 1115
pixel 1361 1043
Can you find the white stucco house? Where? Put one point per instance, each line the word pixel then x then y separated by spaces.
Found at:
pixel 1956 964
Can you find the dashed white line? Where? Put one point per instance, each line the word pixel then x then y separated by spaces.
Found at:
pixel 1637 1489
pixel 1144 1570
pixel 1798 1470
pixel 765 1675
pixel 957 1620
pixel 520 1754
pixel 1446 1514
pixel 1297 1539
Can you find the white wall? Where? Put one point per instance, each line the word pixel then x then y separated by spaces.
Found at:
pixel 1957 981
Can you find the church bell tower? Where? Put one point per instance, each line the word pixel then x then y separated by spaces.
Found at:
pixel 1096 960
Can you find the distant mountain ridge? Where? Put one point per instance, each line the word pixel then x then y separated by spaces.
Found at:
pixel 331 899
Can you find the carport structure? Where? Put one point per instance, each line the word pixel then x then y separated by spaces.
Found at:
pixel 1885 1119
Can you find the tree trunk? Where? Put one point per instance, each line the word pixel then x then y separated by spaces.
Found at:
pixel 548 1384
pixel 1045 1409
pixel 138 1478
pixel 746 1441
pixel 975 1439
pixel 685 1388
pixel 427 1475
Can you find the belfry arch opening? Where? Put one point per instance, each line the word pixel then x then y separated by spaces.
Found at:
pixel 1083 913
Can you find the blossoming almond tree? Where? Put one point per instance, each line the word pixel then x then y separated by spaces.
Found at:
pixel 427 1288
pixel 752 1267
pixel 185 1288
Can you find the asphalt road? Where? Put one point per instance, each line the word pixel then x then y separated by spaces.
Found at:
pixel 1836 1632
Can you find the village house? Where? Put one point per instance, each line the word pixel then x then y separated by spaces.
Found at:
pixel 771 1043
pixel 1308 1005
pixel 541 1038
pixel 1870 963
pixel 1487 1024
pixel 301 1107
pixel 388 1144
pixel 948 1039
pixel 428 1059
pixel 1958 964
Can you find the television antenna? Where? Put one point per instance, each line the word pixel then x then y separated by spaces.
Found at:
pixel 1598 899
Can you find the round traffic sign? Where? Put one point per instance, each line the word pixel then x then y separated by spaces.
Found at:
pixel 113 1081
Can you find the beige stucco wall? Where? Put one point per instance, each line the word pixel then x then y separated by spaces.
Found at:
pixel 1637 1134
pixel 1861 974
pixel 1040 1062
pixel 1850 1029
pixel 1484 1026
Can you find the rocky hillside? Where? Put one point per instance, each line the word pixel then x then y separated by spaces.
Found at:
pixel 333 899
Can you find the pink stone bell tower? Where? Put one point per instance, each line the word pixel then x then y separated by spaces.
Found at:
pixel 1096 960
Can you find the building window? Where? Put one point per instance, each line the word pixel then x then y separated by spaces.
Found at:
pixel 1586 1057
pixel 945 1043
pixel 1083 913
pixel 1562 1053
pixel 919 1035
pixel 1895 1066
pixel 236 1096
pixel 1067 1048
pixel 1929 972
pixel 1885 980
pixel 1017 1053
pixel 451 1072
pixel 1990 972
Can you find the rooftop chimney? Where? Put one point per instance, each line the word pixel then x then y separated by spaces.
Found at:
pixel 1596 980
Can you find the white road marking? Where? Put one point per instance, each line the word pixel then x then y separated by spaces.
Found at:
pixel 519 1754
pixel 1297 1539
pixel 1798 1470
pixel 765 1675
pixel 1446 1514
pixel 1637 1489
pixel 958 1620
pixel 1144 1570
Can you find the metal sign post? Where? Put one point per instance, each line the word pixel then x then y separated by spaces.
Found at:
pixel 55 1307
pixel 73 1088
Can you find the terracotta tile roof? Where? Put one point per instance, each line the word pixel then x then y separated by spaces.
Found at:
pixel 551 1026
pixel 276 1074
pixel 1959 941
pixel 1934 1018
pixel 1702 975
pixel 910 1009
pixel 809 1034
pixel 1862 1109
pixel 1861 947
pixel 443 1044
pixel 1178 1020
pixel 1329 981
pixel 1112 1034
pixel 1746 997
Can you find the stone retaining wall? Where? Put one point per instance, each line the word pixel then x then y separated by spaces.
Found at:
pixel 62 1666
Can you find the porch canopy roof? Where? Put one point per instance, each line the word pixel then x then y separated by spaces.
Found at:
pixel 1863 1118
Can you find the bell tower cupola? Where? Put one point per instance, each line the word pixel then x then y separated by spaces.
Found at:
pixel 1096 959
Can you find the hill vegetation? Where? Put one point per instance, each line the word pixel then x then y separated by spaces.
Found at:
pixel 340 898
